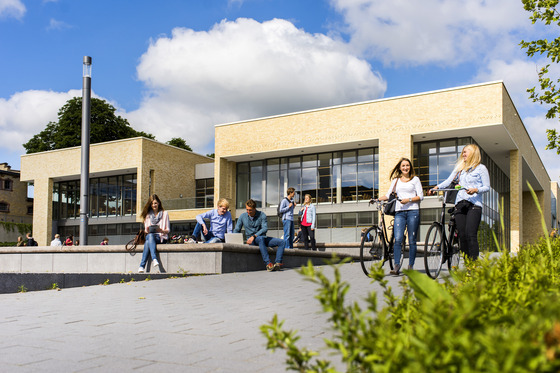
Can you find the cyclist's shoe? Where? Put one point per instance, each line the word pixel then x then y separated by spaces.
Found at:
pixel 278 266
pixel 410 267
pixel 395 271
pixel 270 267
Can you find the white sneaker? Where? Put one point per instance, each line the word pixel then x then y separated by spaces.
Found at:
pixel 156 263
pixel 191 240
pixel 141 270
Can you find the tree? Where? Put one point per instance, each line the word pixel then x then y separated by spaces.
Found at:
pixel 180 143
pixel 67 132
pixel 549 92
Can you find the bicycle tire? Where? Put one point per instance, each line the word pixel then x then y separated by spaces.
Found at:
pixel 433 253
pixel 454 251
pixel 372 251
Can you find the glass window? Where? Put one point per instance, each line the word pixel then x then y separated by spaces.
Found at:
pixel 256 182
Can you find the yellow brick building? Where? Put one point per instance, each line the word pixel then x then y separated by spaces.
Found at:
pixel 341 155
pixel 123 174
pixel 319 152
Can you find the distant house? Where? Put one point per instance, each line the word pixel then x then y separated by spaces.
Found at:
pixel 15 206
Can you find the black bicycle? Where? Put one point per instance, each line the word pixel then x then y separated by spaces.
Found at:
pixel 376 246
pixel 442 245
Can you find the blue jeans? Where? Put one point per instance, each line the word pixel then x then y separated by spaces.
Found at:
pixel 150 246
pixel 288 233
pixel 208 237
pixel 409 219
pixel 263 242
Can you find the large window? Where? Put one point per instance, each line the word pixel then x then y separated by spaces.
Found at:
pixel 205 193
pixel 334 177
pixel 108 196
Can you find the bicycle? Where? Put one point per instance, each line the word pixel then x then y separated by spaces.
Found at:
pixel 375 246
pixel 442 246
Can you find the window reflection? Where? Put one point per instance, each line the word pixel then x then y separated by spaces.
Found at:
pixel 112 196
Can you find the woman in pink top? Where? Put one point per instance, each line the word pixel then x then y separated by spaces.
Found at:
pixel 308 219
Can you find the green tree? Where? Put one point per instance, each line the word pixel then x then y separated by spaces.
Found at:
pixel 548 92
pixel 213 155
pixel 180 143
pixel 67 132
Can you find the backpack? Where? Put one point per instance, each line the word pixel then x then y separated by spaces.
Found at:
pixel 278 208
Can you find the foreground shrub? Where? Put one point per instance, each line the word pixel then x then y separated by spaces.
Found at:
pixel 499 314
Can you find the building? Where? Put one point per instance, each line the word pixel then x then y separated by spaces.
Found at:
pixel 16 209
pixel 343 156
pixel 123 174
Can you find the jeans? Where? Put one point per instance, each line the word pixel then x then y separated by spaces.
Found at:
pixel 150 246
pixel 308 234
pixel 409 219
pixel 263 242
pixel 467 221
pixel 288 233
pixel 208 237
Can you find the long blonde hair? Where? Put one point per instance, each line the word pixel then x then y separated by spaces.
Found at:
pixel 474 159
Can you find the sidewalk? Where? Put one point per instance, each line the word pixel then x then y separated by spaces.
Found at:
pixel 193 324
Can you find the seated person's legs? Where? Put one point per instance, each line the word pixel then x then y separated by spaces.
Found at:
pixel 261 241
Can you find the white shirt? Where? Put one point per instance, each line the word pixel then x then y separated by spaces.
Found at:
pixel 56 242
pixel 410 189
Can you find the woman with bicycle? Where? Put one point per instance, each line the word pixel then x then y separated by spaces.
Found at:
pixel 474 180
pixel 408 189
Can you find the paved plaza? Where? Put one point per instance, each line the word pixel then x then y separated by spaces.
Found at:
pixel 194 324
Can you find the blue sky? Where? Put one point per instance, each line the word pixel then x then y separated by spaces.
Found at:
pixel 177 68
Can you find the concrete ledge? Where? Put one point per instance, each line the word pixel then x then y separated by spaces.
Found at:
pixel 21 282
pixel 174 258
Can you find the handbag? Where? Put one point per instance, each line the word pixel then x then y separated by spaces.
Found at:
pixel 390 206
pixel 139 239
pixel 450 197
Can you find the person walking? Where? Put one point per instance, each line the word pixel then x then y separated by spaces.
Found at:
pixel 409 192
pixel 474 178
pixel 56 241
pixel 156 226
pixel 286 208
pixel 308 221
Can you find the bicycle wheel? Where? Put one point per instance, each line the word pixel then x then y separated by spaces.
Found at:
pixel 454 251
pixel 433 253
pixel 371 250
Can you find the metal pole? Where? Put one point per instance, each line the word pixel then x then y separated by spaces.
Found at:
pixel 84 180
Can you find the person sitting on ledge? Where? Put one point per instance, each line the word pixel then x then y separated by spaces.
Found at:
pixel 220 223
pixel 256 226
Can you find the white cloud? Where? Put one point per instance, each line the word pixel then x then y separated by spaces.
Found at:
pixel 58 25
pixel 12 8
pixel 25 114
pixel 445 32
pixel 244 69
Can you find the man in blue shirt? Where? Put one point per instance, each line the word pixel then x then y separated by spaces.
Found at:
pixel 220 223
pixel 256 226
pixel 287 210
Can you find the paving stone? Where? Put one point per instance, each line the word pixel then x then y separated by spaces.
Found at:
pixel 193 324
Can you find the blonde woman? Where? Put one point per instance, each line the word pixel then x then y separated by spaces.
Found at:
pixel 156 226
pixel 473 176
pixel 308 220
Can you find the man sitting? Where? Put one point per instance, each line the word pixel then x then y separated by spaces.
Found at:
pixel 256 226
pixel 220 222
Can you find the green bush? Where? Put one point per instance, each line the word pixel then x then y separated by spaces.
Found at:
pixel 499 314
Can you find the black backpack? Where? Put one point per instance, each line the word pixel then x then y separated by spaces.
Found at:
pixel 278 208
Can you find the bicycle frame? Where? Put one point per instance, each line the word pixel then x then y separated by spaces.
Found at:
pixel 445 244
